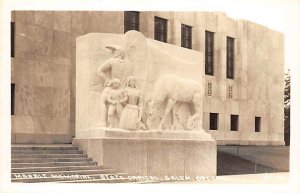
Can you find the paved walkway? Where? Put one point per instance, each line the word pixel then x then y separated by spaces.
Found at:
pixel 271 156
pixel 267 178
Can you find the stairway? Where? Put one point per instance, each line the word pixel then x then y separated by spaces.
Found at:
pixel 58 163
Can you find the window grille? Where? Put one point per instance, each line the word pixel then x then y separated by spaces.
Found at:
pixel 209 89
pixel 230 58
pixel 209 53
pixel 257 124
pixel 213 121
pixel 131 21
pixel 230 92
pixel 186 36
pixel 160 28
pixel 234 122
pixel 12 39
pixel 12 98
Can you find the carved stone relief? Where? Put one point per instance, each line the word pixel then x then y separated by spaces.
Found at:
pixel 176 104
pixel 157 97
pixel 176 90
pixel 115 100
pixel 131 118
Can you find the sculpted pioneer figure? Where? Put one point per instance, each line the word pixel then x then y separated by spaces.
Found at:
pixel 176 89
pixel 116 67
pixel 115 100
pixel 132 113
pixel 103 103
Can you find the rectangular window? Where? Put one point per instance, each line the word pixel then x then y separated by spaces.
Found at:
pixel 213 121
pixel 234 122
pixel 12 99
pixel 131 21
pixel 257 124
pixel 12 39
pixel 186 36
pixel 209 53
pixel 230 58
pixel 160 28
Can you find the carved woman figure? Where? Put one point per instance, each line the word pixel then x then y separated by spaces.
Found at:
pixel 132 113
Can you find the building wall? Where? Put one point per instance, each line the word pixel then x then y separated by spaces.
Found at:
pixel 45 87
pixel 43 70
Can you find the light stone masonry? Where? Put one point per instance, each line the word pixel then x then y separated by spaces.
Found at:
pixel 44 72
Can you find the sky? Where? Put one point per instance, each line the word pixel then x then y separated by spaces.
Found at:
pixel 282 16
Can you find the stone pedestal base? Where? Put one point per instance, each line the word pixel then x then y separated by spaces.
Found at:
pixel 153 153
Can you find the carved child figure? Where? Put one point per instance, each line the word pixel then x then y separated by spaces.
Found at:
pixel 103 103
pixel 115 100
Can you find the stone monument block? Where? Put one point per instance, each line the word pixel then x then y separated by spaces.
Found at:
pixel 153 153
pixel 139 106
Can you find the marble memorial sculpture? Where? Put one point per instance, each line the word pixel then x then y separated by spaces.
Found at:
pixel 171 88
pixel 113 70
pixel 139 106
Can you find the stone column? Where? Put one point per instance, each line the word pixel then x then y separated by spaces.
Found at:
pixel 175 32
pixel 147 24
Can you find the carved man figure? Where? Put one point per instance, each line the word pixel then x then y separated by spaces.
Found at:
pixel 116 67
pixel 115 100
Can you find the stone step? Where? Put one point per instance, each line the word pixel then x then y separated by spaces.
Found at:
pixel 21 156
pixel 72 172
pixel 62 178
pixel 58 168
pixel 46 152
pixel 124 180
pixel 42 145
pixel 44 148
pixel 42 160
pixel 52 164
pixel 58 163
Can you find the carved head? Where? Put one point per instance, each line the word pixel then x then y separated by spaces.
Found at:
pixel 108 83
pixel 153 108
pixel 153 114
pixel 131 82
pixel 115 83
pixel 119 53
pixel 117 50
